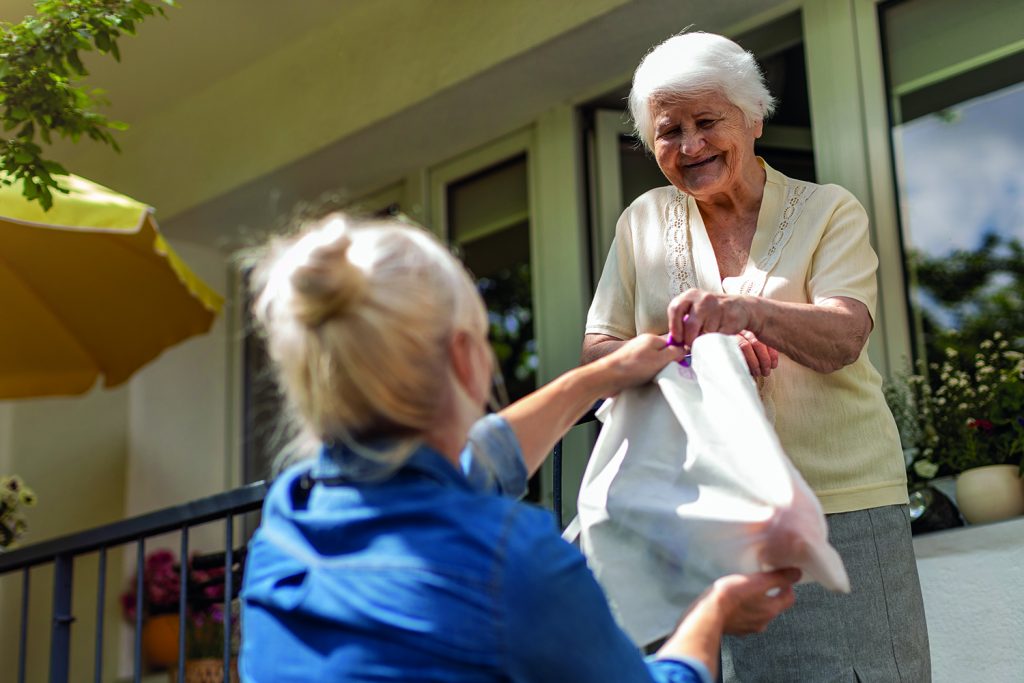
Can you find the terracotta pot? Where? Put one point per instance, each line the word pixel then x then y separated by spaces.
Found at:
pixel 160 640
pixel 991 493
pixel 206 670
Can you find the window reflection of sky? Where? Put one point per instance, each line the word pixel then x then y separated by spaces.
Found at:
pixel 961 173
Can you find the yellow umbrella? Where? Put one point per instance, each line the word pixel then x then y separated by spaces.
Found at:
pixel 88 288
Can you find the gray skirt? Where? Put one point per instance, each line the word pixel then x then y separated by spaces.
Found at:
pixel 875 634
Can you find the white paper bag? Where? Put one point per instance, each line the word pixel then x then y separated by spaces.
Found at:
pixel 688 483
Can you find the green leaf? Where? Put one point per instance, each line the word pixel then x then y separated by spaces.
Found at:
pixel 102 41
pixel 45 198
pixel 76 63
pixel 55 168
pixel 39 61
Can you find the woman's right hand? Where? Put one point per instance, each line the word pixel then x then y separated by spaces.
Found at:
pixel 736 605
pixel 636 362
pixel 748 602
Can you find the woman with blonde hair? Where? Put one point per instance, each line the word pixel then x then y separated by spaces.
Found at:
pixel 398 553
pixel 731 245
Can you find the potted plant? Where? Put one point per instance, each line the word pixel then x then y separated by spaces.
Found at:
pixel 965 417
pixel 14 496
pixel 161 588
pixel 204 647
pixel 204 610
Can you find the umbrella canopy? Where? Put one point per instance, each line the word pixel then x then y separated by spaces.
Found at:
pixel 88 288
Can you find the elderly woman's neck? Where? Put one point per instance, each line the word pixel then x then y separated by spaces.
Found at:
pixel 743 197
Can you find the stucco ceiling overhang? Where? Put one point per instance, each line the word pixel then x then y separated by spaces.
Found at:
pixel 597 54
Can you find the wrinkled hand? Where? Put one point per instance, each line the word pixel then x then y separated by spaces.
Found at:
pixel 761 358
pixel 750 601
pixel 696 312
pixel 637 362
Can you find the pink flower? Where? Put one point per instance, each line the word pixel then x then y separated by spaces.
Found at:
pixel 128 605
pixel 161 586
pixel 217 613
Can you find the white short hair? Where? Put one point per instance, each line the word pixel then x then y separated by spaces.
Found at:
pixel 696 64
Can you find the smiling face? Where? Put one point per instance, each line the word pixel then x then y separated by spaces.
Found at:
pixel 703 144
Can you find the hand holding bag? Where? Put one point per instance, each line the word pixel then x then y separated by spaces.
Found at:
pixel 688 483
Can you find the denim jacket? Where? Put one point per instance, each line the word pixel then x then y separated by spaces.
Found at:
pixel 432 574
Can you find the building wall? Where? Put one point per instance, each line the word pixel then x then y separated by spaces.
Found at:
pixel 177 409
pixel 160 440
pixel 72 452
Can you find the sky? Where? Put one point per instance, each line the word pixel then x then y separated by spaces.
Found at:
pixel 962 175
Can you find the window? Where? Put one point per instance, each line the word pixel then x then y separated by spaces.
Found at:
pixel 489 227
pixel 956 96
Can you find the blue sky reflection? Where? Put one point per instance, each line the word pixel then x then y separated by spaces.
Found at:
pixel 961 173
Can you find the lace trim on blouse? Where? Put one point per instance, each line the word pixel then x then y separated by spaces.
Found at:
pixel 679 246
pixel 679 259
pixel 797 195
pixel 679 243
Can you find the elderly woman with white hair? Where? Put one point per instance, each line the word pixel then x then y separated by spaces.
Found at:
pixel 398 552
pixel 735 247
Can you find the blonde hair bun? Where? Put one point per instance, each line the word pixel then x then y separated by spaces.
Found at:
pixel 358 316
pixel 327 285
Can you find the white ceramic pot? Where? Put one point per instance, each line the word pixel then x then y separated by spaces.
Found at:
pixel 991 493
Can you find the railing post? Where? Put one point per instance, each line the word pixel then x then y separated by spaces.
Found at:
pixel 140 604
pixel 556 474
pixel 60 638
pixel 101 597
pixel 182 601
pixel 229 561
pixel 23 635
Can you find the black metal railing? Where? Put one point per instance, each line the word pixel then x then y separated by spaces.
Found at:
pixel 556 466
pixel 61 553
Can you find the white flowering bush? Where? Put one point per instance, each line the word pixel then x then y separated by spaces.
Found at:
pixel 14 497
pixel 967 411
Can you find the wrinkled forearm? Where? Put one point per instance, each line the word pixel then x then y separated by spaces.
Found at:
pixel 823 337
pixel 597 346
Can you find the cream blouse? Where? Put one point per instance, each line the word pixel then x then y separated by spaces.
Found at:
pixel 811 244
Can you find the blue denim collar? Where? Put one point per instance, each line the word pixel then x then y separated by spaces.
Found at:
pixel 339 461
